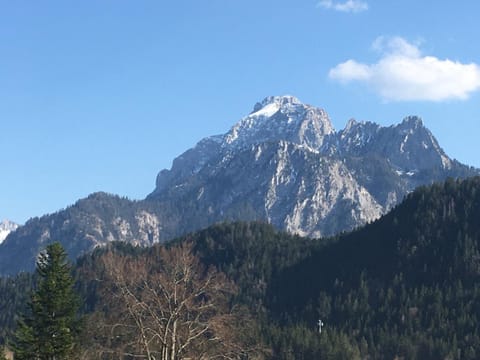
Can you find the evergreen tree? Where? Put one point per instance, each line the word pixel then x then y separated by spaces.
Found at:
pixel 49 331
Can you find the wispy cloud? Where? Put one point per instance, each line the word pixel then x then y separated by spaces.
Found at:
pixel 346 6
pixel 403 73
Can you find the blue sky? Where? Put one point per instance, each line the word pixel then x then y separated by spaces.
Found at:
pixel 99 95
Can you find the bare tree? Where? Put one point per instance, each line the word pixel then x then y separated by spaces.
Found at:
pixel 168 307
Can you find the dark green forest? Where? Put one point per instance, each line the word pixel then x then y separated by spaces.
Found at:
pixel 406 286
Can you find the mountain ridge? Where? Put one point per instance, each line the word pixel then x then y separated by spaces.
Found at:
pixel 284 163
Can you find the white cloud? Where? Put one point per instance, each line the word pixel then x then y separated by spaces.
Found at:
pixel 395 45
pixel 404 74
pixel 350 70
pixel 347 6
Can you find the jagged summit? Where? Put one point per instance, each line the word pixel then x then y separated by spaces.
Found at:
pixel 274 119
pixel 356 134
pixel 272 104
pixel 412 121
pixel 281 118
pixel 279 100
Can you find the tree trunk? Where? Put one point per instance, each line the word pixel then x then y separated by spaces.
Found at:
pixel 174 340
pixel 164 353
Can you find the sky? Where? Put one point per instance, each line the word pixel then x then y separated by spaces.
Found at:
pixel 100 95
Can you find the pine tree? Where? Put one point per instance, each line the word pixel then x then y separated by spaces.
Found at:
pixel 49 331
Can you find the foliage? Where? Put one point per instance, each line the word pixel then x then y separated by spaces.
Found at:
pixel 405 286
pixel 251 254
pixel 13 299
pixel 49 330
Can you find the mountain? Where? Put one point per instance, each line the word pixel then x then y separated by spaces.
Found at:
pixel 6 227
pixel 284 164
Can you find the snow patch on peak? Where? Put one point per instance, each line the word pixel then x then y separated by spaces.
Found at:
pixel 6 227
pixel 280 118
pixel 266 110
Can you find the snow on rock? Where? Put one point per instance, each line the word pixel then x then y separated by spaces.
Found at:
pixel 6 227
pixel 281 118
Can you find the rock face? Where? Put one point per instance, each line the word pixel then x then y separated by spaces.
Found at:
pixel 284 163
pixel 89 223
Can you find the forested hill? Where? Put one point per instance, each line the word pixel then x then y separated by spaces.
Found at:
pixel 406 286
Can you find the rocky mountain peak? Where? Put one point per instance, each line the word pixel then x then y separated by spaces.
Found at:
pixel 353 127
pixel 275 119
pixel 412 121
pixel 357 136
pixel 279 118
pixel 351 124
pixel 411 144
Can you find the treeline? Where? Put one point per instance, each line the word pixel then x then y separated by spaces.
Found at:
pixel 14 294
pixel 406 286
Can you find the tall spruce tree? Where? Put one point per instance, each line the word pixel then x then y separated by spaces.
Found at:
pixel 48 332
